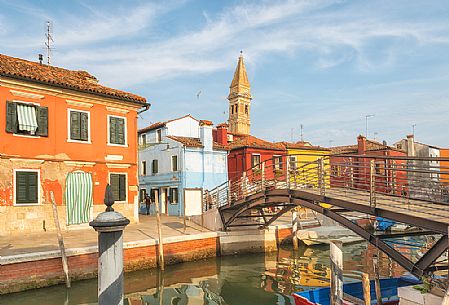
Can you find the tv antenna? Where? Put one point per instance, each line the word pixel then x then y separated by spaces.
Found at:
pixel 49 39
pixel 302 135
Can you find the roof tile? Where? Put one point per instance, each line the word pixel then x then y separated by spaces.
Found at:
pixel 78 80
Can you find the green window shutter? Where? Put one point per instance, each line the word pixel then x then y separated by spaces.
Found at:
pixel 11 117
pixel 112 131
pixel 155 167
pixel 32 187
pixel 42 121
pixel 115 186
pixel 75 130
pixel 120 123
pixel 122 189
pixel 84 126
pixel 26 187
pixel 21 187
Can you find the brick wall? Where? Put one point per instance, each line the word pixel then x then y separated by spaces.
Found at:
pixel 45 272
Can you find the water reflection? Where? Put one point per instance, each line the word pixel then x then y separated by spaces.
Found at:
pixel 247 279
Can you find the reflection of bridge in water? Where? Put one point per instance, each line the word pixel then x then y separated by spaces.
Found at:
pixel 347 188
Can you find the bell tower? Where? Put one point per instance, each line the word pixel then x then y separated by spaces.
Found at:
pixel 239 100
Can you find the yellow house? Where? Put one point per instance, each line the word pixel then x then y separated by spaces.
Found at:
pixel 304 160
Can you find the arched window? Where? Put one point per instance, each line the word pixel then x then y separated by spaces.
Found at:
pixel 236 108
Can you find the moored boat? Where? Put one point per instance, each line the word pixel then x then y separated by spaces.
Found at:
pixel 389 290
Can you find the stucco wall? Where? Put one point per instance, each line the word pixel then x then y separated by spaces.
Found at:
pixel 185 127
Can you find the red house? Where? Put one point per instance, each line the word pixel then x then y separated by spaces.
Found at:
pixel 350 166
pixel 248 152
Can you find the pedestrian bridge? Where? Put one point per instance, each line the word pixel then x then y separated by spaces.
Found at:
pixel 353 190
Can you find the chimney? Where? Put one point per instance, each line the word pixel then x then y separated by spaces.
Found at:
pixel 41 58
pixel 206 135
pixel 222 134
pixel 410 145
pixel 361 145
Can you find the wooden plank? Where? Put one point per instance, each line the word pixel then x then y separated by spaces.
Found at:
pixel 353 300
pixel 65 265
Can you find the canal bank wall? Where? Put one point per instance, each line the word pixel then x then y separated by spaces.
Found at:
pixel 40 269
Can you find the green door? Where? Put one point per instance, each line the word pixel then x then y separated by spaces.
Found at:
pixel 78 197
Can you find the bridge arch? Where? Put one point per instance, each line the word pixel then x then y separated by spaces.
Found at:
pixel 402 189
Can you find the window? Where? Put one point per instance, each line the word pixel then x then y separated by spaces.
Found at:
pixel 237 109
pixel 246 109
pixel 174 163
pixel 144 168
pixel 27 119
pixel 255 161
pixel 117 130
pixel 155 167
pixel 154 195
pixel 144 139
pixel 335 171
pixel 142 194
pixel 277 162
pixel 292 162
pixel 118 186
pixel 174 195
pixel 79 129
pixel 232 109
pixel 27 187
pixel 159 135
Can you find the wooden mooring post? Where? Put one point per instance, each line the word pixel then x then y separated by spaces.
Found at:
pixel 294 228
pixel 65 265
pixel 376 278
pixel 336 257
pixel 160 245
pixel 366 289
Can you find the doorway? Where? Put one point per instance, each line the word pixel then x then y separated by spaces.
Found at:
pixel 78 197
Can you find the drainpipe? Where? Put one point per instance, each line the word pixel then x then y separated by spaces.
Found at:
pixel 183 180
pixel 136 214
pixel 204 168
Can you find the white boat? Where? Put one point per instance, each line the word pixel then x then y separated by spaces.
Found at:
pixel 326 234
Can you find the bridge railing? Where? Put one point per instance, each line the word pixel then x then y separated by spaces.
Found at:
pixel 412 178
pixel 397 176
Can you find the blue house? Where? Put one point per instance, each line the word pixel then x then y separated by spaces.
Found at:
pixel 178 159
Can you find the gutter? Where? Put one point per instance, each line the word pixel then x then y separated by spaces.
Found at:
pixel 145 108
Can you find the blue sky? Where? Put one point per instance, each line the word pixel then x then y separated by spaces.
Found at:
pixel 323 64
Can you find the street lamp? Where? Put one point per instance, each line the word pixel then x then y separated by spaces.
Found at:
pixel 366 123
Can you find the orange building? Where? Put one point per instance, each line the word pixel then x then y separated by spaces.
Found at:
pixel 63 133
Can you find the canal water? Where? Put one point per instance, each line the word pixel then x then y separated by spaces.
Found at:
pixel 259 279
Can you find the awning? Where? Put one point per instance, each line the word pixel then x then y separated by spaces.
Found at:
pixel 27 118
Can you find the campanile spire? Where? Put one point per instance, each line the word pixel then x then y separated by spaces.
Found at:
pixel 239 100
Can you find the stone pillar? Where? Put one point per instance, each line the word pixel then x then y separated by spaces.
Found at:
pixel 110 226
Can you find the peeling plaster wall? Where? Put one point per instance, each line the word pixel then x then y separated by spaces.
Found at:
pixel 35 218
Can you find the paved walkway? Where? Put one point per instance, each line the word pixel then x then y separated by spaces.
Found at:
pixel 87 237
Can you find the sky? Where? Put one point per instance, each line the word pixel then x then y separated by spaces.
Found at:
pixel 321 64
